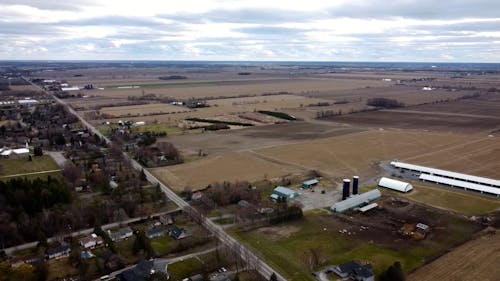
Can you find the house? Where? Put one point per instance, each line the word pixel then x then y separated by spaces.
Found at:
pixel 283 192
pixel 155 231
pixel 143 270
pixel 309 183
pixel 355 271
pixel 91 241
pixel 166 219
pixel 122 233
pixel 58 252
pixel 177 233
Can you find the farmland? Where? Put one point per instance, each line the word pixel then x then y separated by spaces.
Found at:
pixel 475 260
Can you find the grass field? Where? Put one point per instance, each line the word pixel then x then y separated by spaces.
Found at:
pixel 185 268
pixel 162 245
pixel 23 166
pixel 286 247
pixel 452 199
pixel 60 268
pixel 474 260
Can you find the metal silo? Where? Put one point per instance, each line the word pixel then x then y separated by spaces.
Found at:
pixel 345 189
pixel 355 183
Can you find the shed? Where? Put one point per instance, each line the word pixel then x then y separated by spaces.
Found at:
pixel 400 186
pixel 285 192
pixel 309 183
pixel 356 200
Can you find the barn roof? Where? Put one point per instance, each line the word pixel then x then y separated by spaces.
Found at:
pixel 395 184
pixel 462 184
pixel 448 174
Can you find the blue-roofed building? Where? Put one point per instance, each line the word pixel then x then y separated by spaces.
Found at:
pixel 309 183
pixel 284 192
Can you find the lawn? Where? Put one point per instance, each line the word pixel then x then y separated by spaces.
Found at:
pixel 23 166
pixel 124 249
pixel 163 245
pixel 286 247
pixel 60 268
pixel 185 268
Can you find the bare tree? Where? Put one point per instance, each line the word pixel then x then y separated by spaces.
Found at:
pixel 71 173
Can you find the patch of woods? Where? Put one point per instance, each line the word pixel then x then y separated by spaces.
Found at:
pixel 277 114
pixel 172 77
pixel 160 154
pixel 219 122
pixel 384 103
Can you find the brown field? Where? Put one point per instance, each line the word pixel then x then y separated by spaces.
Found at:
pixel 24 88
pixel 488 105
pixel 143 109
pixel 238 166
pixel 360 153
pixel 428 121
pixel 253 87
pixel 474 260
pixel 348 153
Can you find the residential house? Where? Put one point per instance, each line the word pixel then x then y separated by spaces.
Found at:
pixel 143 270
pixel 155 231
pixel 177 233
pixel 122 233
pixel 355 271
pixel 91 241
pixel 58 252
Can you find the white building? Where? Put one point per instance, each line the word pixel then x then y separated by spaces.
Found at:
pixel 356 200
pixel 400 186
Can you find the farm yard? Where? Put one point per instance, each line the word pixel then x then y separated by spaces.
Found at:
pixel 372 237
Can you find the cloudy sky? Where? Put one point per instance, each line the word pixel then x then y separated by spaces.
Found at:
pixel 299 30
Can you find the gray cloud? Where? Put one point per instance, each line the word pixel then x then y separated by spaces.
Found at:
pixel 429 30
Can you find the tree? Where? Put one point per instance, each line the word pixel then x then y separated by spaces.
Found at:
pixel 71 172
pixel 393 273
pixel 273 277
pixel 38 151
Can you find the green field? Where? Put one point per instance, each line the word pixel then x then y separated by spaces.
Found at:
pixel 9 167
pixel 287 252
pixel 457 200
pixel 185 268
pixel 443 197
pixel 156 85
pixel 163 245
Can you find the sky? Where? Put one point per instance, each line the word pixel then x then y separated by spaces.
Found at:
pixel 255 30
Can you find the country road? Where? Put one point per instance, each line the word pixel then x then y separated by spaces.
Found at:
pixel 247 255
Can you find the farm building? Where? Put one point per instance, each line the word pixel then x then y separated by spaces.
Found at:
pixel 400 186
pixel 462 184
pixel 309 183
pixel 283 192
pixel 68 89
pixel 447 174
pixel 14 153
pixel 356 201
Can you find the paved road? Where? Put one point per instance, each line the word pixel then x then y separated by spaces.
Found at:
pixel 252 260
pixel 168 261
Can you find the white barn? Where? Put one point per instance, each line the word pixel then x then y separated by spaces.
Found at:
pixel 356 200
pixel 400 186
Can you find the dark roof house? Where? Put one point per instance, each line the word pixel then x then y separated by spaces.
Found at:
pixel 59 251
pixel 178 233
pixel 155 231
pixel 143 270
pixel 355 270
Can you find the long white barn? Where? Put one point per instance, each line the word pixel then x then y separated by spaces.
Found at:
pixel 393 184
pixel 447 174
pixel 458 183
